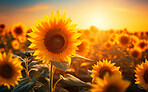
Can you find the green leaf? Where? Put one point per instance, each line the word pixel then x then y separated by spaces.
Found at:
pixel 43 89
pixel 84 90
pixel 72 80
pixel 41 67
pixel 25 88
pixel 60 89
pixel 21 84
pixel 34 63
pixel 61 65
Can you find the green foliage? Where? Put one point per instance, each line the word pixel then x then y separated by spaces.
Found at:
pixel 61 65
pixel 72 80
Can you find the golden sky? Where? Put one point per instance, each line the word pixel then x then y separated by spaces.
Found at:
pixel 104 14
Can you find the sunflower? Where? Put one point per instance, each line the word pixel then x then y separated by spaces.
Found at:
pixel 134 39
pixel 135 53
pixel 142 74
pixel 22 39
pixel 146 34
pixel 2 26
pixel 15 44
pixel 112 83
pixel 112 38
pixel 101 68
pixel 132 45
pixel 107 45
pixel 142 45
pixel 123 40
pixel 10 70
pixel 83 48
pixel 92 39
pixel 2 31
pixel 55 39
pixel 18 30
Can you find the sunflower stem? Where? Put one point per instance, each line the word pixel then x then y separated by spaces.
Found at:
pixel 26 64
pixel 51 78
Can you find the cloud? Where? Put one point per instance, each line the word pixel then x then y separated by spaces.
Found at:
pixel 38 7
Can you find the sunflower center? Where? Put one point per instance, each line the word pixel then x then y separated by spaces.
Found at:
pixel 135 54
pixel 142 33
pixel 2 26
pixel 124 40
pixel 18 30
pixel 146 76
pixel 54 43
pixel 108 45
pixel 112 88
pixel 112 39
pixel 6 71
pixel 142 45
pixel 147 33
pixel 103 71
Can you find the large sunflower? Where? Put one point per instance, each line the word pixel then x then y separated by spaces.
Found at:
pixel 142 74
pixel 110 84
pixel 54 38
pixel 18 30
pixel 10 70
pixel 123 40
pixel 101 68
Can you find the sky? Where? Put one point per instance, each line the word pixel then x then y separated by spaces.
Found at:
pixel 104 14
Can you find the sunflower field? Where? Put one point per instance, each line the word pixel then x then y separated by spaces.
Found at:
pixel 55 56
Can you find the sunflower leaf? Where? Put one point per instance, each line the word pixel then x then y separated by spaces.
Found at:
pixel 39 70
pixel 61 65
pixel 60 89
pixel 43 89
pixel 25 88
pixel 21 83
pixel 34 63
pixel 72 80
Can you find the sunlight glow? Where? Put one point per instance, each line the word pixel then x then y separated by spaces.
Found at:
pixel 98 21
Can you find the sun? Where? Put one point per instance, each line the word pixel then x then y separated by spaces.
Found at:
pixel 98 20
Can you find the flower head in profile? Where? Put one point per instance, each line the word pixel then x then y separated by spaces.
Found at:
pixel 112 83
pixel 10 70
pixel 54 38
pixel 142 74
pixel 104 67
